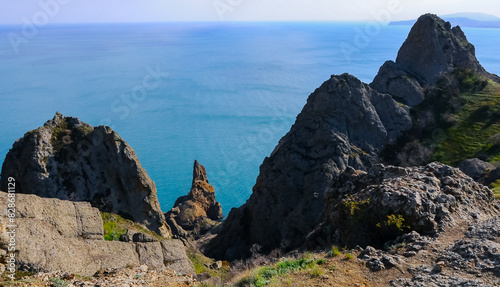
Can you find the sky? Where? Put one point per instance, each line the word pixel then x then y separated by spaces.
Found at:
pixel 98 11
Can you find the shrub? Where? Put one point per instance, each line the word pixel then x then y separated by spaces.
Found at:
pixel 349 256
pixel 264 275
pixel 353 207
pixel 334 252
pixel 394 223
pixel 57 282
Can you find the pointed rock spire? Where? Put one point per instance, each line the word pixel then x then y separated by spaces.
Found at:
pixel 197 212
pixel 433 48
pixel 199 172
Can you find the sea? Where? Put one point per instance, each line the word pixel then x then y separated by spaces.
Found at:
pixel 222 93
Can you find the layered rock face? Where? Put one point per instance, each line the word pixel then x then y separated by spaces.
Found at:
pixel 197 212
pixel 71 160
pixel 432 50
pixel 60 235
pixel 344 123
pixel 370 208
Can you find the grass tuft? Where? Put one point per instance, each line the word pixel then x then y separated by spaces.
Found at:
pixel 114 226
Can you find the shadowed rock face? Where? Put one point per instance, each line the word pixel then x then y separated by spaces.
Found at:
pixel 197 212
pixel 344 123
pixel 432 50
pixel 71 160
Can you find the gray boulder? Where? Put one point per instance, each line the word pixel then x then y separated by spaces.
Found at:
pixel 344 123
pixel 60 235
pixel 475 168
pixel 71 160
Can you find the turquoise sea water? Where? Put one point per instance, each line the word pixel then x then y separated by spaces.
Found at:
pixel 222 93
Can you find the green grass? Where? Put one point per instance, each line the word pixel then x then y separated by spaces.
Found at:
pixel 57 282
pixel 199 261
pixel 458 120
pixel 268 274
pixel 477 122
pixel 496 192
pixel 115 225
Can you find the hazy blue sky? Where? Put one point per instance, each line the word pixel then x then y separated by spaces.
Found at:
pixel 71 11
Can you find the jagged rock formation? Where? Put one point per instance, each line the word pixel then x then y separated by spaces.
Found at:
pixel 344 123
pixel 196 213
pixel 71 160
pixel 371 208
pixel 347 124
pixel 61 235
pixel 432 50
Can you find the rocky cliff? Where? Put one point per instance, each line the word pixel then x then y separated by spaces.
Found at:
pixel 344 123
pixel 71 160
pixel 347 124
pixel 198 211
pixel 433 50
pixel 60 235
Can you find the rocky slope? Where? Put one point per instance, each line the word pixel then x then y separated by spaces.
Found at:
pixel 196 213
pixel 349 125
pixel 71 160
pixel 110 277
pixel 60 235
pixel 373 207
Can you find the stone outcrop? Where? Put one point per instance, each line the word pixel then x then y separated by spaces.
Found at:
pixel 347 124
pixel 344 123
pixel 432 50
pixel 371 208
pixel 71 160
pixel 476 168
pixel 196 213
pixel 393 79
pixel 60 235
